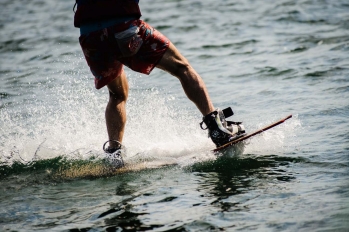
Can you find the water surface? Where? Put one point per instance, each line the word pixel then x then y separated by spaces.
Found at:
pixel 265 59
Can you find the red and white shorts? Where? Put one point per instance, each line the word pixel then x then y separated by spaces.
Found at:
pixel 135 44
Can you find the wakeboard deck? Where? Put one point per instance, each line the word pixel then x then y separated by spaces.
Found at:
pixel 238 140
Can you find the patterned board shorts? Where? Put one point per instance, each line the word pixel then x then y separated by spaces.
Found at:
pixel 135 44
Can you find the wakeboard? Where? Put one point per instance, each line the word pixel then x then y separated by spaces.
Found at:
pixel 249 135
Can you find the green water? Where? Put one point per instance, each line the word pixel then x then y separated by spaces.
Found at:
pixel 265 59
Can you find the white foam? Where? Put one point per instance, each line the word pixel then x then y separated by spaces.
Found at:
pixel 278 140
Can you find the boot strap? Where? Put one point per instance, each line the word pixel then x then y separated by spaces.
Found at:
pixel 114 149
pixel 206 119
pixel 228 112
pixel 201 123
pixel 233 123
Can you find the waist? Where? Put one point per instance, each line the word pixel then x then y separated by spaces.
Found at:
pixel 87 28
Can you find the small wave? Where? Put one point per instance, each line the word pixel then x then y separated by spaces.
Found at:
pixel 324 73
pixel 274 71
pixel 343 47
pixel 14 45
pixel 228 45
pixel 269 165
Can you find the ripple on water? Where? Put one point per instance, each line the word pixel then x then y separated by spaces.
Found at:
pixel 263 58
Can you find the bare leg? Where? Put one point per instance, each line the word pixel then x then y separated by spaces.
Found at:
pixel 172 62
pixel 115 113
pixel 194 87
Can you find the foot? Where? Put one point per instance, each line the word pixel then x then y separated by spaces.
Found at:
pixel 220 130
pixel 113 155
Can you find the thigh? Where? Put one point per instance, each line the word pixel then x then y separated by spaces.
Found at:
pixel 173 61
pixel 100 52
pixel 154 46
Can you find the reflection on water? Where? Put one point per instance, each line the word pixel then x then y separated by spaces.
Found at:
pixel 214 193
pixel 143 195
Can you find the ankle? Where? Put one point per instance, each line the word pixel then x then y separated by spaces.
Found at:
pixel 209 120
pixel 114 145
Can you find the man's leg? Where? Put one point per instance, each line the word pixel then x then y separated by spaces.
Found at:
pixel 115 113
pixel 194 87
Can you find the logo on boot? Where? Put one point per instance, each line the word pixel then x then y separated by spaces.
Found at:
pixel 215 134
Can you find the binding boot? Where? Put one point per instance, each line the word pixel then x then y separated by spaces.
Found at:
pixel 220 130
pixel 114 155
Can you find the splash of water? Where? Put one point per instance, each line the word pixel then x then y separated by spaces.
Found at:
pixel 278 140
pixel 68 120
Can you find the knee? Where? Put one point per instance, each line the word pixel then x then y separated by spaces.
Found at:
pixel 117 98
